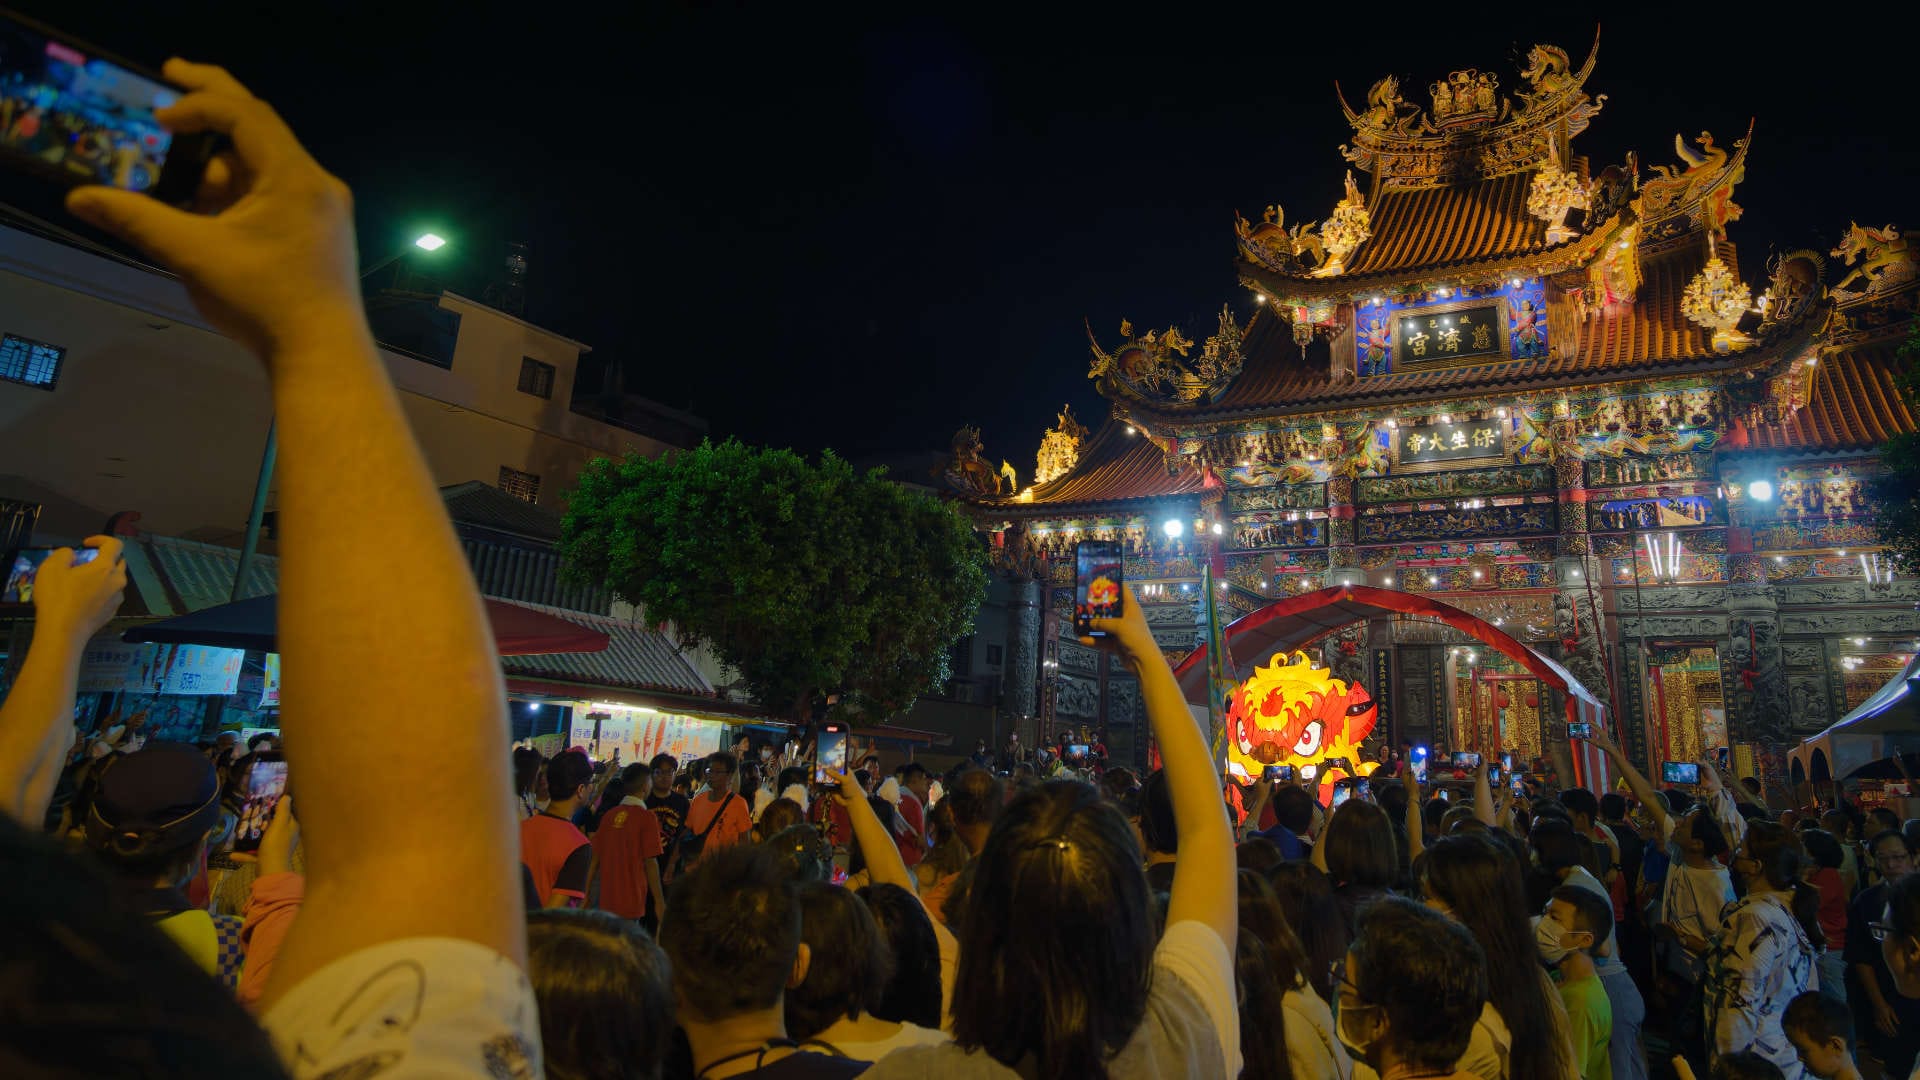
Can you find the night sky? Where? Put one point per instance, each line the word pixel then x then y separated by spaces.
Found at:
pixel 817 230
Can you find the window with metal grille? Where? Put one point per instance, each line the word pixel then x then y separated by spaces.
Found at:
pixel 30 363
pixel 520 485
pixel 536 378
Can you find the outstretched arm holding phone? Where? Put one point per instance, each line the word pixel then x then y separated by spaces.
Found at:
pixel 271 262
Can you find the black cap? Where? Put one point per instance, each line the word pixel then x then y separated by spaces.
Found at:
pixel 154 800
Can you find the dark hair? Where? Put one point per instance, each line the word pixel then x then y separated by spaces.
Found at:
pixel 974 798
pixel 913 992
pixel 1156 816
pixel 910 770
pixel 1119 783
pixel 849 965
pixel 1427 972
pixel 789 776
pixel 605 995
pixel 1360 846
pixel 1480 882
pixel 1433 812
pixel 668 760
pixel 1306 896
pixel 526 767
pixel 1558 846
pixel 779 814
pixel 1293 807
pixel 1259 854
pixel 1824 847
pixel 1745 1065
pixel 567 773
pixel 1260 912
pixel 1706 829
pixel 1775 849
pixel 948 853
pixel 722 757
pixel 1057 935
pixel 1263 1012
pixel 807 855
pixel 1818 1017
pixel 1678 802
pixel 1593 912
pixel 636 778
pixel 263 736
pixel 1903 907
pixel 1581 801
pixel 732 932
pixel 1873 845
pixel 1613 806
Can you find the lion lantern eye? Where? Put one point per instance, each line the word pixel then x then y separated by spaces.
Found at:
pixel 1309 743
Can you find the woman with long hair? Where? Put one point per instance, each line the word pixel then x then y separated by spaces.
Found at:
pixel 1306 898
pixel 941 868
pixel 1477 883
pixel 1060 975
pixel 1762 956
pixel 848 969
pixel 605 995
pixel 1360 855
pixel 1290 1012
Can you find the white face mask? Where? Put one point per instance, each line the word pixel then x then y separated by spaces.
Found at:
pixel 1360 1049
pixel 1550 938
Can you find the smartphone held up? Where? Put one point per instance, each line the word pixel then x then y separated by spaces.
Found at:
pixel 1098 584
pixel 75 115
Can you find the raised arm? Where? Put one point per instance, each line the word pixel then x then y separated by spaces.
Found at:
pixel 1483 808
pixel 1262 794
pixel 1636 781
pixel 1416 822
pixel 1203 876
pixel 361 619
pixel 884 864
pixel 70 603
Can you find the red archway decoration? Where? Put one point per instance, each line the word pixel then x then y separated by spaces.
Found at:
pixel 1294 621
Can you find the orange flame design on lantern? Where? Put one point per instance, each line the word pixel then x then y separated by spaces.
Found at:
pixel 1292 713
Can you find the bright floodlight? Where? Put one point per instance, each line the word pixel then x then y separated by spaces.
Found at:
pixel 430 242
pixel 1173 527
pixel 1761 490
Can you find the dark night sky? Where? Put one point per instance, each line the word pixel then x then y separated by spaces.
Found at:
pixel 817 230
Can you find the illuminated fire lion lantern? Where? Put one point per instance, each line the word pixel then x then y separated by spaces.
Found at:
pixel 1292 713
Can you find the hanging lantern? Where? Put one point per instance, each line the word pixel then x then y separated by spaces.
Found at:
pixel 1716 299
pixel 1533 701
pixel 1302 327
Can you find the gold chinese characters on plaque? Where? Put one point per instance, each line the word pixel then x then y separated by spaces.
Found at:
pixel 1428 337
pixel 1441 445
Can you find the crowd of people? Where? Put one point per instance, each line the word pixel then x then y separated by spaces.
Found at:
pixel 486 913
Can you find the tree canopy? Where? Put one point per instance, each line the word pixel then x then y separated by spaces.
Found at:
pixel 808 579
pixel 1897 490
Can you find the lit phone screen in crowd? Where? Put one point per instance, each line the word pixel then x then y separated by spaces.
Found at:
pixel 266 782
pixel 830 753
pixel 26 565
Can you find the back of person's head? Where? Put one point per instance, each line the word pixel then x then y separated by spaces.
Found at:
pixel 1705 829
pixel 1881 817
pixel 1592 913
pixel 526 767
pixel 1119 783
pixel 636 778
pixel 1260 912
pixel 1824 848
pixel 1579 801
pixel 1056 935
pixel 1910 828
pixel 1156 816
pixel 789 776
pixel 848 961
pixel 807 854
pixel 1360 847
pixel 1777 851
pixel 1433 812
pixel 913 992
pixel 975 798
pixel 1259 854
pixel 151 812
pixel 1477 879
pixel 1306 897
pixel 254 743
pixel 1816 1019
pixel 1834 821
pixel 732 933
pixel 1425 973
pixel 1613 806
pixel 1293 808
pixel 1393 800
pixel 94 990
pixel 781 814
pixel 1678 802
pixel 567 773
pixel 1557 845
pixel 605 995
pixel 1745 1065
pixel 1263 1032
pixel 1460 817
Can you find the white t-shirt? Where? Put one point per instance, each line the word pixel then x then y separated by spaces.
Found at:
pixel 420 1007
pixel 908 1035
pixel 1312 1047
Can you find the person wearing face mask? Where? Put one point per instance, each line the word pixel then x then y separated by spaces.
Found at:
pixel 1762 957
pixel 1569 936
pixel 1562 853
pixel 1411 992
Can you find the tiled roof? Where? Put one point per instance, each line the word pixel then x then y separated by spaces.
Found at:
pixel 483 505
pixel 1439 226
pixel 1852 404
pixel 1116 465
pixel 197 576
pixel 637 657
pixel 1628 340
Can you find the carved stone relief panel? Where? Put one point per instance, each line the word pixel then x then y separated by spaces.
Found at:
pixel 1675 626
pixel 1842 591
pixel 1850 622
pixel 1802 653
pixel 1807 703
pixel 1078 698
pixel 1077 657
pixel 1669 598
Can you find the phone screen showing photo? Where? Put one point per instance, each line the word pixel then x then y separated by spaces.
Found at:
pixel 1680 772
pixel 830 753
pixel 1341 793
pixel 84 118
pixel 1580 729
pixel 266 782
pixel 26 566
pixel 1097 584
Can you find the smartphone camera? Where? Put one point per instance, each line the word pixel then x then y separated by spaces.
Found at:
pixel 830 752
pixel 1580 729
pixel 1098 585
pixel 1278 773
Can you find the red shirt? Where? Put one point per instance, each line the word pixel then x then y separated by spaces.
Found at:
pixel 627 841
pixel 556 854
pixel 912 848
pixel 1833 905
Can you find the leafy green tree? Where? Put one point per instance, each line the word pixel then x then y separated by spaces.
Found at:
pixel 807 579
pixel 1897 491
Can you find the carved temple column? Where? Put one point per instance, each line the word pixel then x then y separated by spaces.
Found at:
pixel 1578 621
pixel 1343 561
pixel 1023 654
pixel 1754 679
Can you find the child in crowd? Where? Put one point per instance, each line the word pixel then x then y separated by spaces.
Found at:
pixel 1817 1026
pixel 1573 932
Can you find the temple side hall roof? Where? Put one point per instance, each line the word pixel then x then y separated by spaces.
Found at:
pixel 1853 404
pixel 1115 465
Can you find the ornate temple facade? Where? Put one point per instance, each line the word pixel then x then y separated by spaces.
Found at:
pixel 1545 391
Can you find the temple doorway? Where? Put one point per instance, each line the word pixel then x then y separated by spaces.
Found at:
pixel 1495 706
pixel 1687 718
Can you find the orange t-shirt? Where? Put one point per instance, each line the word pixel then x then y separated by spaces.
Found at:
pixel 733 827
pixel 627 841
pixel 557 854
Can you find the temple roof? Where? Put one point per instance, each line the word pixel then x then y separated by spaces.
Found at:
pixel 1853 403
pixel 1118 462
pixel 1432 227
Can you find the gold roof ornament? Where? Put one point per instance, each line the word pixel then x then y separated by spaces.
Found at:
pixel 1059 448
pixel 1883 254
pixel 1716 299
pixel 1155 367
pixel 1552 195
pixel 1347 229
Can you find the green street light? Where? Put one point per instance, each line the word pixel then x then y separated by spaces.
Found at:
pixel 430 242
